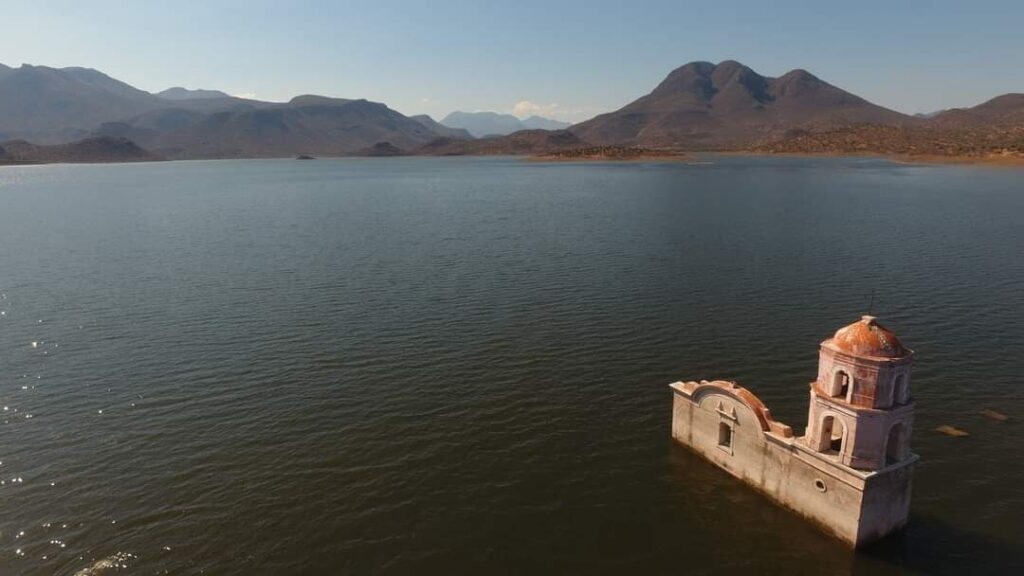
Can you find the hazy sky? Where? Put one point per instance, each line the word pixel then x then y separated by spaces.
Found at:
pixel 564 59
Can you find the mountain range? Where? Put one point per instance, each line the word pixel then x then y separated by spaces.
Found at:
pixel 56 105
pixel 484 124
pixel 311 125
pixel 698 106
pixel 49 106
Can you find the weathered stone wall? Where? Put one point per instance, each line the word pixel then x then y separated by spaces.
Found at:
pixel 886 502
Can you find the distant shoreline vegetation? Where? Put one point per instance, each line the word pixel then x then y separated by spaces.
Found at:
pixel 613 153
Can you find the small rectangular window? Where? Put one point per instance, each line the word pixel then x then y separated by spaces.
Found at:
pixel 724 435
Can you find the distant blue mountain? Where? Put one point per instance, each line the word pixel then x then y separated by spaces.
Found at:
pixel 179 93
pixel 482 124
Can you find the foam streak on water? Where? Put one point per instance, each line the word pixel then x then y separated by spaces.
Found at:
pixel 460 365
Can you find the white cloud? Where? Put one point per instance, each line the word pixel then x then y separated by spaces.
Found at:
pixel 246 95
pixel 525 108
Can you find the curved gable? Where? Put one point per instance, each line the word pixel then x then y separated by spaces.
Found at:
pixel 697 391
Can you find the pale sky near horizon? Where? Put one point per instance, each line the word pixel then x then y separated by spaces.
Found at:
pixel 563 59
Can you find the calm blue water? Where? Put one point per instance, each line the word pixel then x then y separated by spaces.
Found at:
pixel 445 366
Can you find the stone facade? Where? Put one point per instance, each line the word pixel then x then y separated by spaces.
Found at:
pixel 850 472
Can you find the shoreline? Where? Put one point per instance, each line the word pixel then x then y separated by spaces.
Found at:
pixel 610 154
pixel 933 159
pixel 689 157
pixel 95 162
pixel 641 158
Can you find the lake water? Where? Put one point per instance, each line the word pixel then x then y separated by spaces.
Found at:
pixel 460 366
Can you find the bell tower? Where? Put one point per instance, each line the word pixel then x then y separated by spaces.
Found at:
pixel 861 411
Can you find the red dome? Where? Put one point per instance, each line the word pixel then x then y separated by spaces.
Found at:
pixel 866 337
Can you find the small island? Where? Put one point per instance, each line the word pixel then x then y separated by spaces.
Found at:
pixel 305 157
pixel 380 150
pixel 609 153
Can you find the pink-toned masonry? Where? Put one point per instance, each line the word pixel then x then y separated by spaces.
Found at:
pixel 850 472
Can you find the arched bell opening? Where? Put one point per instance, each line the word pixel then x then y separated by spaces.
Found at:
pixel 831 436
pixel 840 387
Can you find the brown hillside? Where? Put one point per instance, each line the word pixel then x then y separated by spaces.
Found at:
pixel 991 130
pixel 1006 110
pixel 706 106
pixel 98 149
pixel 969 143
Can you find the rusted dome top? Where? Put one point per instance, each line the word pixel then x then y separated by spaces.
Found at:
pixel 866 337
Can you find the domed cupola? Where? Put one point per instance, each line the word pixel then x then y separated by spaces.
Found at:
pixel 866 337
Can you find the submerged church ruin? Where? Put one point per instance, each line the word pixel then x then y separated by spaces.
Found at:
pixel 850 472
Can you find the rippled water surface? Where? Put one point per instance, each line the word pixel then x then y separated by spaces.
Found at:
pixel 444 366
